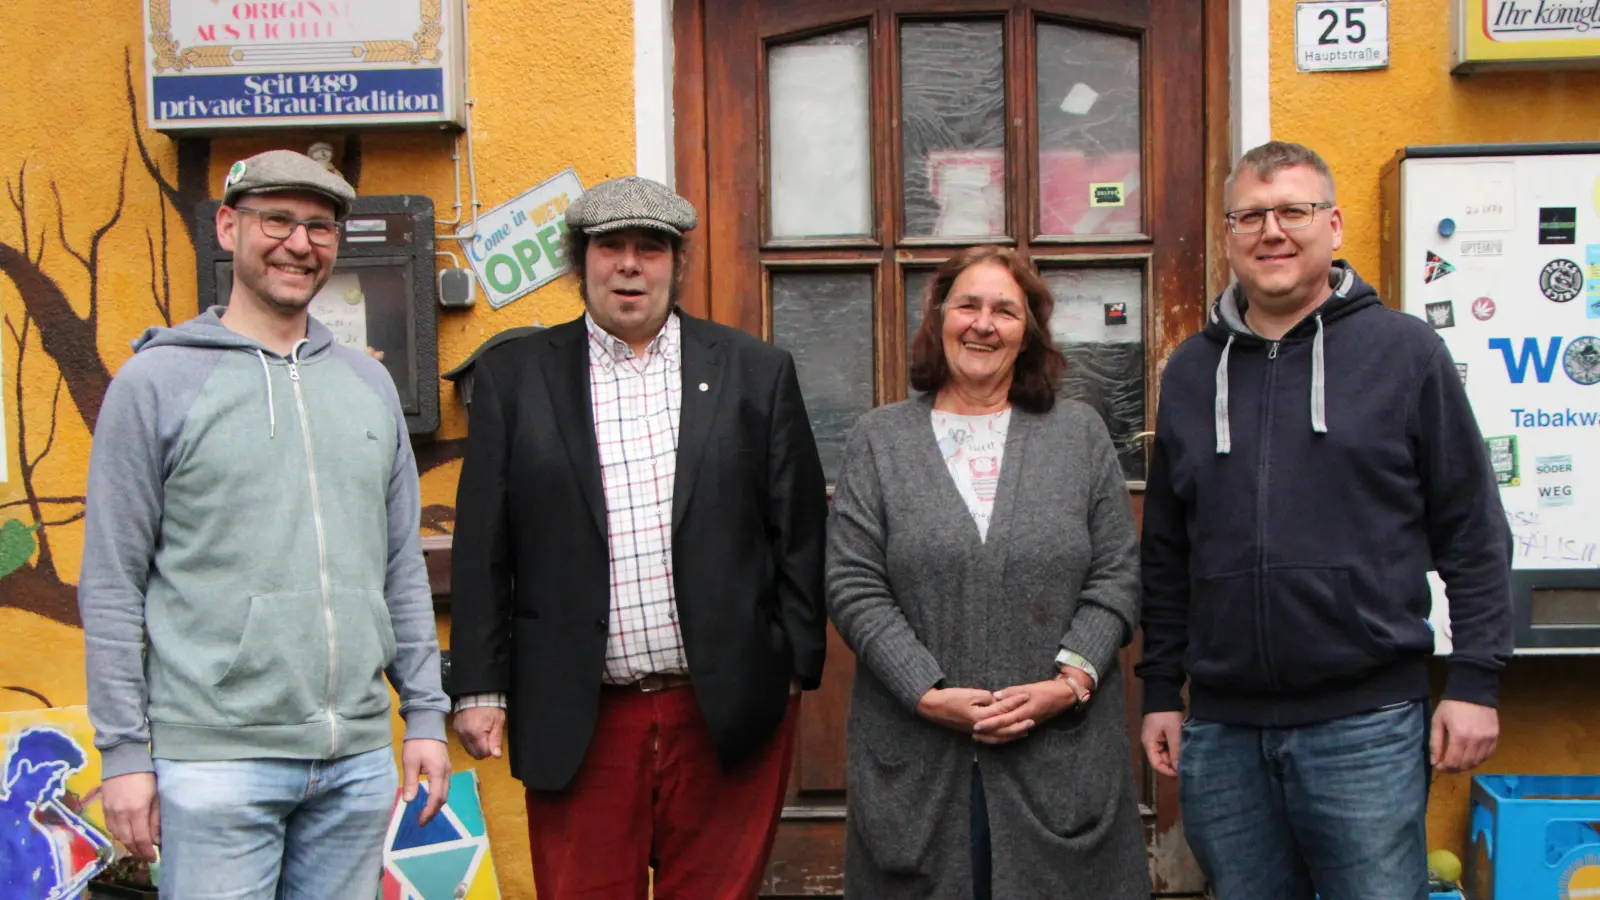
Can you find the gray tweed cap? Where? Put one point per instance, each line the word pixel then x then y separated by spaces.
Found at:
pixel 631 202
pixel 286 170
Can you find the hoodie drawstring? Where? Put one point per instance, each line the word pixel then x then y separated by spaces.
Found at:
pixel 1226 310
pixel 1319 403
pixel 1224 436
pixel 272 409
pixel 1319 392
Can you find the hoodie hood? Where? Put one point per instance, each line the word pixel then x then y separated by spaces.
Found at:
pixel 1226 325
pixel 1350 293
pixel 207 331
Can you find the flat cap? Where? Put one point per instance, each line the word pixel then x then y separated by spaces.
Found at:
pixel 286 170
pixel 631 202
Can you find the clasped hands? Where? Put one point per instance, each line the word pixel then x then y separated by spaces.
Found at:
pixel 998 717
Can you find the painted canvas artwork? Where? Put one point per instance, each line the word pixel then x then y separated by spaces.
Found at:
pixel 52 834
pixel 447 859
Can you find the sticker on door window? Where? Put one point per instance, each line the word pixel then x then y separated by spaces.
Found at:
pixel 1108 194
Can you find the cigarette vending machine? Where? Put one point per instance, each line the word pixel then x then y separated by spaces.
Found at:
pixel 1497 247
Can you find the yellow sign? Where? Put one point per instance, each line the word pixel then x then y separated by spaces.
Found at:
pixel 1525 34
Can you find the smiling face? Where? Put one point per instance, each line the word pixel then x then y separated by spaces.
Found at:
pixel 630 282
pixel 1284 270
pixel 985 324
pixel 278 275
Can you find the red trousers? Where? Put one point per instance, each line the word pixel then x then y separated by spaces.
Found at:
pixel 651 792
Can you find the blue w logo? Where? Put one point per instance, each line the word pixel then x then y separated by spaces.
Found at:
pixel 1517 367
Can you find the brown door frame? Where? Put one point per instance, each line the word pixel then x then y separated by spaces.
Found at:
pixel 693 177
pixel 1177 321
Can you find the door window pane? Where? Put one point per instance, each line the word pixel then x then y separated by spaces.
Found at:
pixel 916 282
pixel 953 120
pixel 821 167
pixel 1099 324
pixel 825 320
pixel 1088 132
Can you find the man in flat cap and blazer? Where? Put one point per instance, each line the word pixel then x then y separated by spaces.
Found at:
pixel 637 572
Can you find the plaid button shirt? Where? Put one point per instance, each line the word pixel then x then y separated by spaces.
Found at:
pixel 636 404
pixel 636 409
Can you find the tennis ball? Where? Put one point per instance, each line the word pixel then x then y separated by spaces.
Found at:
pixel 1444 865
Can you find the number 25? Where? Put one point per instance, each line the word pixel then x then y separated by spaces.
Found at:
pixel 1352 23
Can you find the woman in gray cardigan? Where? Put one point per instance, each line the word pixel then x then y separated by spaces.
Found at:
pixel 982 566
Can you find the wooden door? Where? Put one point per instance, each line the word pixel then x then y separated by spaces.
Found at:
pixel 841 149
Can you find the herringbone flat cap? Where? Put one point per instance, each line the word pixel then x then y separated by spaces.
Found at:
pixel 631 202
pixel 286 170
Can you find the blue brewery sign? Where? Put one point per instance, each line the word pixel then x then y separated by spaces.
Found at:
pixel 285 63
pixel 385 92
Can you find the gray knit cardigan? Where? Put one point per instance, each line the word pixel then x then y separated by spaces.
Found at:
pixel 923 602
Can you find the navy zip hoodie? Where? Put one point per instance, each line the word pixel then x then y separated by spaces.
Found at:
pixel 1299 492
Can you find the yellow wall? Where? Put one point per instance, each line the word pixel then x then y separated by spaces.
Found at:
pixel 555 89
pixel 1550 720
pixel 1357 120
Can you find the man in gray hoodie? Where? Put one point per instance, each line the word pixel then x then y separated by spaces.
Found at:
pixel 251 572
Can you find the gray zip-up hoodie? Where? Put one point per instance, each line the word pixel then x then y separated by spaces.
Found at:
pixel 252 565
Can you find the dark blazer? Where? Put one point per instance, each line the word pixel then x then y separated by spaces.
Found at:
pixel 531 571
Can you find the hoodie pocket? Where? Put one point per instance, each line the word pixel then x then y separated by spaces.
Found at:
pixel 364 637
pixel 279 672
pixel 1224 650
pixel 1316 632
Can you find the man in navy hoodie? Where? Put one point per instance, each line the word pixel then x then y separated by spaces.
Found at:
pixel 1315 458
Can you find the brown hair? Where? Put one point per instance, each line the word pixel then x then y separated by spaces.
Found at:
pixel 1039 368
pixel 1272 157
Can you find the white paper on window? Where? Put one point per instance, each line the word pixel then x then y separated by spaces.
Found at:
pixel 342 307
pixel 1098 324
pixel 821 164
pixel 1097 305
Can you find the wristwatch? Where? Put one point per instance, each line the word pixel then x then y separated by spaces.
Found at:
pixel 1082 693
pixel 1066 659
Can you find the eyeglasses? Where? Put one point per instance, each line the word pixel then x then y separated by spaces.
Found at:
pixel 278 226
pixel 1289 215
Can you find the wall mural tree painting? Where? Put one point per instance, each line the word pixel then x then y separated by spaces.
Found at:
pixel 49 332
pixel 37 582
pixel 49 337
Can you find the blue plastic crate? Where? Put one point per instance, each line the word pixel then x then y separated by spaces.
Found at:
pixel 1533 837
pixel 1434 895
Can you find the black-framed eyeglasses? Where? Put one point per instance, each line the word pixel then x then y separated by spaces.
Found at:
pixel 1289 215
pixel 279 226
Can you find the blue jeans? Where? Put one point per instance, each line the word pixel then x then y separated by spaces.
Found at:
pixel 1336 809
pixel 275 829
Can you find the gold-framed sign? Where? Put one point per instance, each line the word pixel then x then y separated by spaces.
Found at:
pixel 1524 34
pixel 220 67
